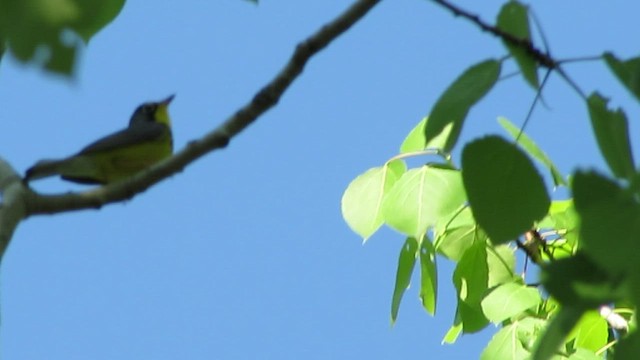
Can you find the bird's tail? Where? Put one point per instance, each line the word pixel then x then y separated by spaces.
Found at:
pixel 45 168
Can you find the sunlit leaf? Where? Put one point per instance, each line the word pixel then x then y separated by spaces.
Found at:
pixel 454 242
pixel 612 133
pixel 509 300
pixel 591 331
pixel 505 345
pixel 452 334
pixel 362 200
pixel 406 262
pixel 584 354
pixel 453 105
pixel 416 140
pixel 533 150
pixel 501 262
pixel 506 192
pixel 421 197
pixel 513 19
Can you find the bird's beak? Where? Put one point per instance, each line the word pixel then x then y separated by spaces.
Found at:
pixel 168 100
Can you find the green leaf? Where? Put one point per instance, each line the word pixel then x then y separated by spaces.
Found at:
pixel 629 347
pixel 506 192
pixel 612 133
pixel 416 140
pixel 509 300
pixel 421 197
pixel 501 262
pixel 453 105
pixel 452 334
pixel 591 332
pixel 533 150
pixel 51 27
pixel 628 72
pixel 610 222
pixel 95 16
pixel 513 19
pixel 505 345
pixel 456 233
pixel 584 354
pixel 578 281
pixel 406 261
pixel 556 332
pixel 563 217
pixel 428 276
pixel 362 200
pixel 471 281
pixel 454 242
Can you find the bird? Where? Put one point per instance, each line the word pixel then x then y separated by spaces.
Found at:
pixel 146 141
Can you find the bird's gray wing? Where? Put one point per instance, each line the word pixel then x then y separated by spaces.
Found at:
pixel 135 134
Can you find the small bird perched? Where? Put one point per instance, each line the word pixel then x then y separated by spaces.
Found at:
pixel 146 141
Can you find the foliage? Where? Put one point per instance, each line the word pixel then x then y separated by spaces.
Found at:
pixel 477 214
pixel 496 202
pixel 50 33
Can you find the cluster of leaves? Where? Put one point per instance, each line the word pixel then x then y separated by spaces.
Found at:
pixel 49 33
pixel 472 215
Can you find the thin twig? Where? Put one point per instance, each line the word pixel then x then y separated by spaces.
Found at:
pixel 542 57
pixel 533 104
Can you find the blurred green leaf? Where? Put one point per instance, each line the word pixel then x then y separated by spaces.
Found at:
pixel 514 19
pixel 494 173
pixel 578 281
pixel 556 332
pixel 48 32
pixel 362 200
pixel 629 347
pixel 612 133
pixel 406 262
pixel 453 105
pixel 610 222
pixel 421 197
pixel 533 150
pixel 508 300
pixel 628 72
pixel 428 276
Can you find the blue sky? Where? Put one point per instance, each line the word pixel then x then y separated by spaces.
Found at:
pixel 245 255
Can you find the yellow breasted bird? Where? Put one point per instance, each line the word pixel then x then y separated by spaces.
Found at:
pixel 143 143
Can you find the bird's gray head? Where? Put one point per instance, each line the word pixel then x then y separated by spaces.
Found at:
pixel 147 112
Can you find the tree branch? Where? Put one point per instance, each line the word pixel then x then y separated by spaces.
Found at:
pixel 265 99
pixel 542 57
pixel 12 206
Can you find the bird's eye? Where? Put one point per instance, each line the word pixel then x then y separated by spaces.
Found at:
pixel 149 108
